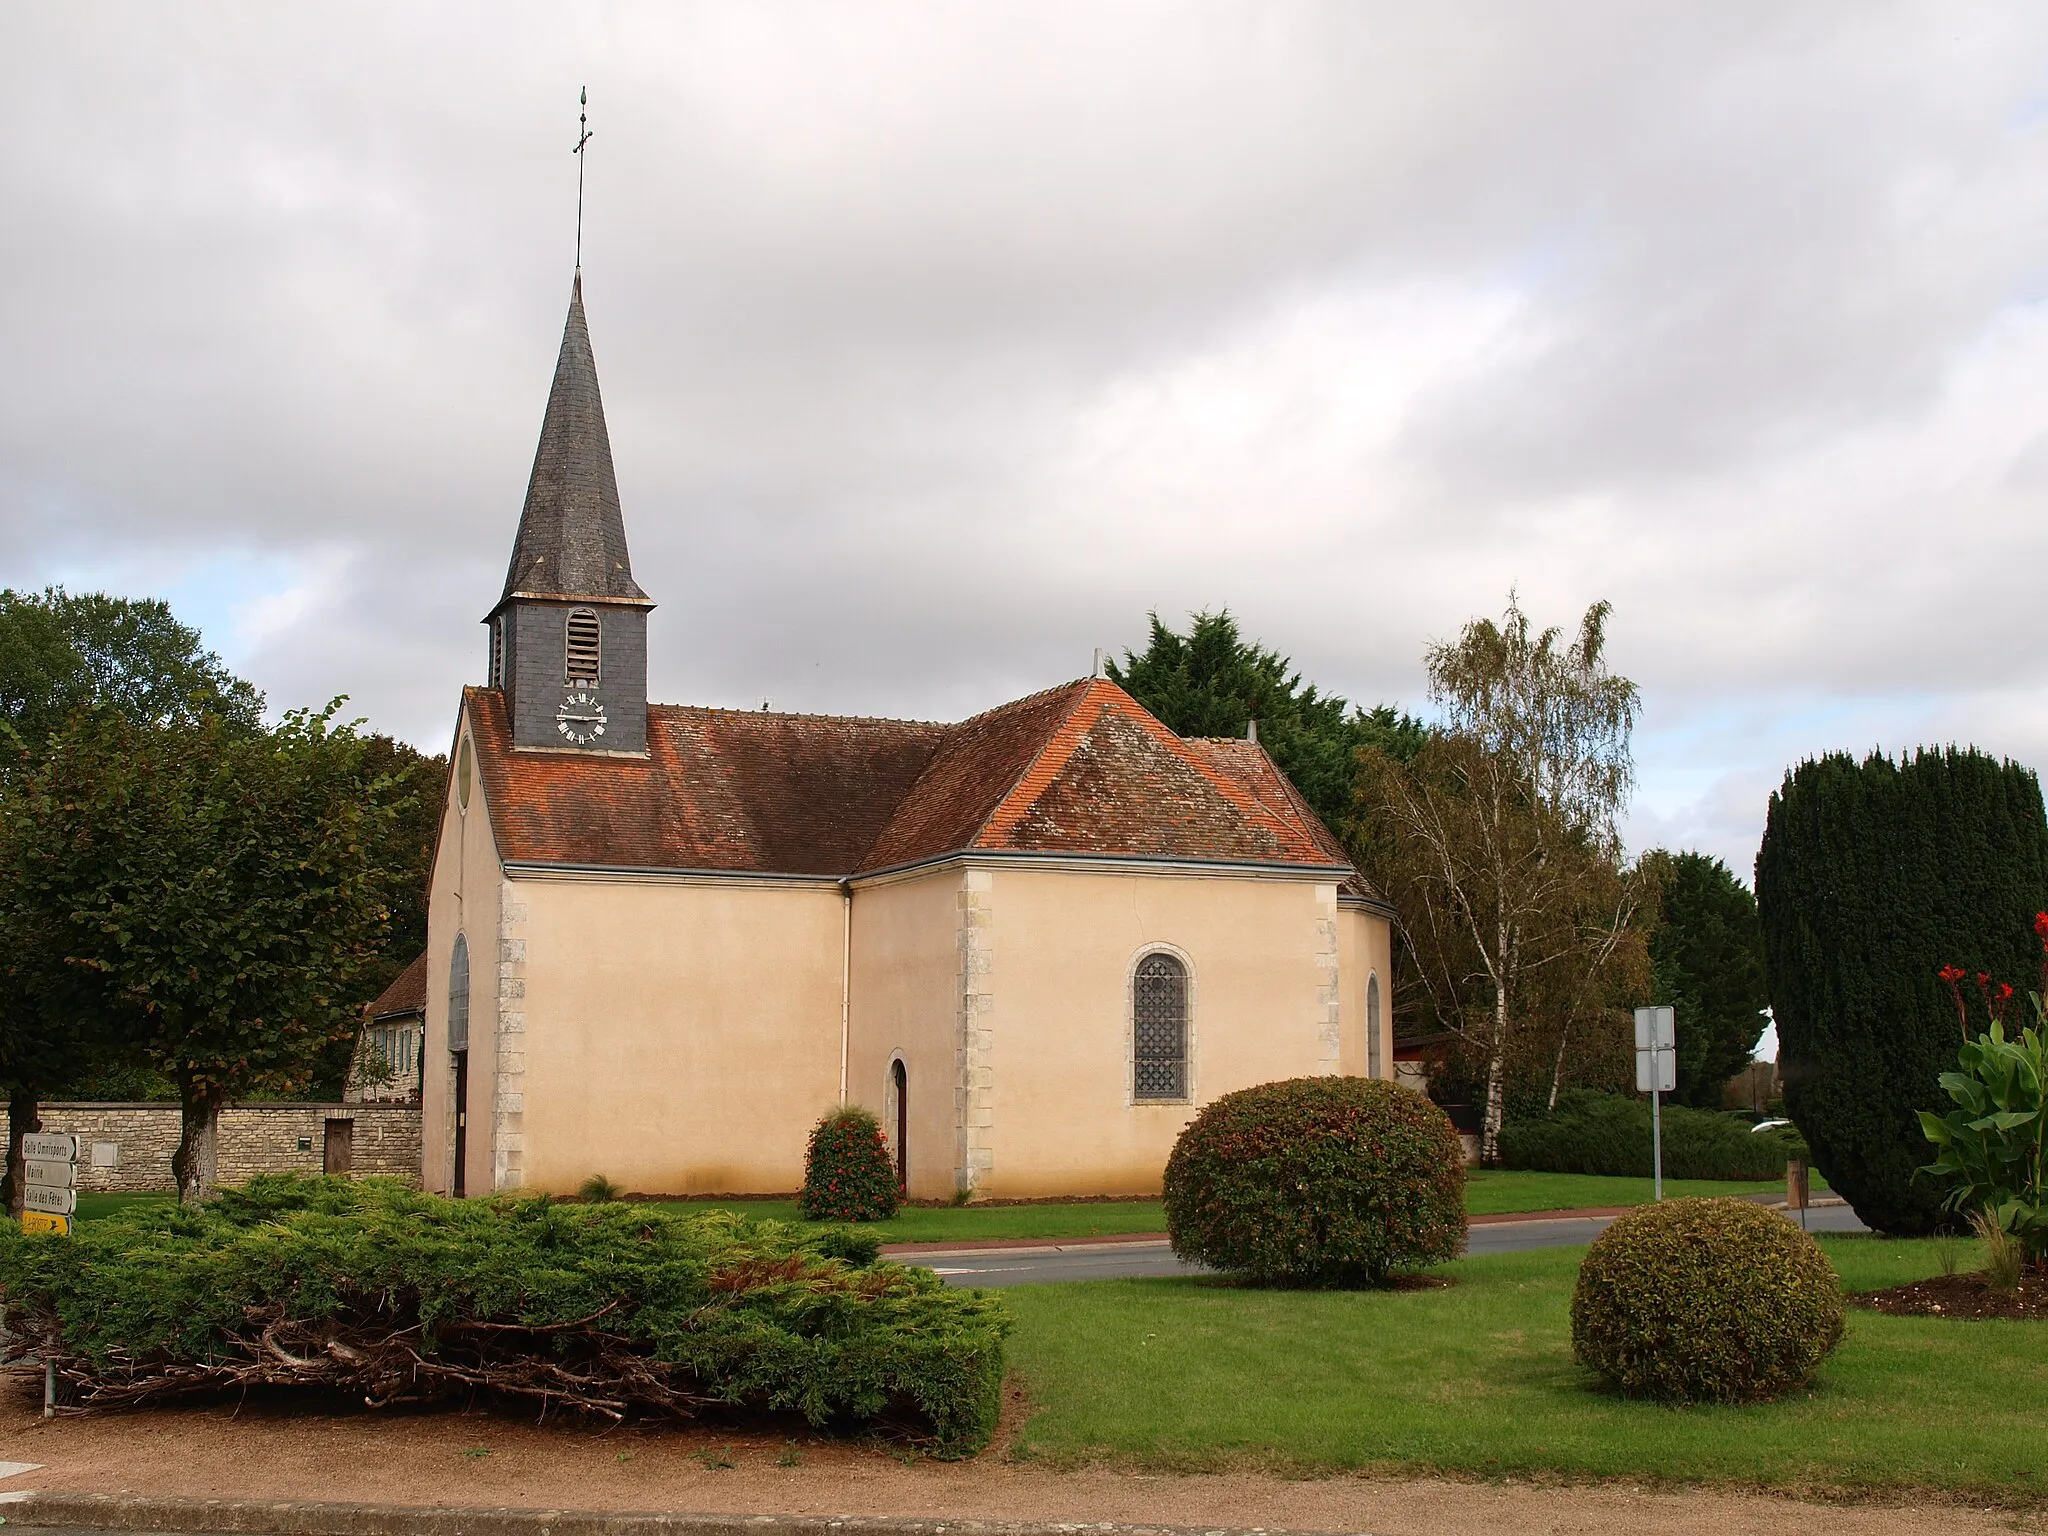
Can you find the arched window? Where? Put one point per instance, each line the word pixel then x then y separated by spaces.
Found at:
pixel 1372 1026
pixel 1159 1029
pixel 581 647
pixel 458 996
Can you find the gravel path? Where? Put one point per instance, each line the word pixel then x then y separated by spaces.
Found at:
pixel 458 1459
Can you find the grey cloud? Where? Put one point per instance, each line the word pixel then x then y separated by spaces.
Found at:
pixel 939 345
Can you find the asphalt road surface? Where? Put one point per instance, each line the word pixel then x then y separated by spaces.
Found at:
pixel 1122 1261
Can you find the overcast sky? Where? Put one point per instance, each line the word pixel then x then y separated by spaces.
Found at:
pixel 941 342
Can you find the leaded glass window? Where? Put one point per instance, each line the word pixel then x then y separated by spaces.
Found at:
pixel 1159 1029
pixel 458 996
pixel 1372 1026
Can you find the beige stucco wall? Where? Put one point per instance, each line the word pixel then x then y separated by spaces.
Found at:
pixel 906 1002
pixel 1059 949
pixel 679 1037
pixel 682 1036
pixel 1365 950
pixel 465 895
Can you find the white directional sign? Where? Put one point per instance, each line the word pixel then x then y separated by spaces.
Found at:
pixel 50 1175
pixel 55 1202
pixel 1656 1050
pixel 1656 1075
pixel 49 1178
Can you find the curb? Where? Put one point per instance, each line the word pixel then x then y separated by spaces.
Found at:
pixel 265 1517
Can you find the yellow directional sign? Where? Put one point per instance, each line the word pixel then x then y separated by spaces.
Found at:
pixel 44 1221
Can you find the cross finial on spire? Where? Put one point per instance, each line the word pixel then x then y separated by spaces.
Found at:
pixel 583 137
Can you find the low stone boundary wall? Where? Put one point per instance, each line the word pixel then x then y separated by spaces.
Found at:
pixel 254 1138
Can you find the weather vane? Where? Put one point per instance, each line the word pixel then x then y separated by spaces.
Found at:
pixel 583 138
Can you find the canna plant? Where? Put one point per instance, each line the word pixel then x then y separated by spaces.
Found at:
pixel 1994 1144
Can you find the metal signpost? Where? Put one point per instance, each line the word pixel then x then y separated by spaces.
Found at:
pixel 1656 1074
pixel 49 1196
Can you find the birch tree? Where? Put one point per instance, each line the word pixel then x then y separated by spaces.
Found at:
pixel 1497 843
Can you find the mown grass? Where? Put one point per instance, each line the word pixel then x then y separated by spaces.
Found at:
pixel 1499 1191
pixel 1478 1378
pixel 1489 1192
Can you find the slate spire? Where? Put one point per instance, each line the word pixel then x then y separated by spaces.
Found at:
pixel 572 536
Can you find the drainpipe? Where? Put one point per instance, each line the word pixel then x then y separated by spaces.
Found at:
pixel 845 979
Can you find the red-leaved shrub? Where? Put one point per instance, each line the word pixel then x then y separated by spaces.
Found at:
pixel 847 1172
pixel 1317 1180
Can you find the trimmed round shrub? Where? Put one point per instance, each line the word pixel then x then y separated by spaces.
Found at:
pixel 1716 1301
pixel 847 1172
pixel 1317 1180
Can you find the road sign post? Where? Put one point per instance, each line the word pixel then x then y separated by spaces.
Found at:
pixel 49 1193
pixel 49 1196
pixel 1656 1075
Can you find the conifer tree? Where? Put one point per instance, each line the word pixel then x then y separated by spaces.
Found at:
pixel 1706 960
pixel 1871 878
pixel 1214 682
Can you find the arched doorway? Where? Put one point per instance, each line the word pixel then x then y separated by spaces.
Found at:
pixel 899 1090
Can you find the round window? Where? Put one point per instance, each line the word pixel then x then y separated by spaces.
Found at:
pixel 465 767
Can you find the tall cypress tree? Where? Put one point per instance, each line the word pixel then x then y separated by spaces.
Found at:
pixel 1872 876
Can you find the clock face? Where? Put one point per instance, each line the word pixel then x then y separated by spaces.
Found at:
pixel 581 717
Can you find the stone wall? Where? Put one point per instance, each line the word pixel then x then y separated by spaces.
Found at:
pixel 254 1138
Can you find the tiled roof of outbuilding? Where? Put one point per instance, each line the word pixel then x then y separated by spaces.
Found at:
pixel 1079 769
pixel 407 994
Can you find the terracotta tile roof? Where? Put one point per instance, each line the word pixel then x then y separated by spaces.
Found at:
pixel 408 994
pixel 719 789
pixel 1079 769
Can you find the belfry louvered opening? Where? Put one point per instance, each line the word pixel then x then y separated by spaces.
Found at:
pixel 582 661
pixel 1159 1029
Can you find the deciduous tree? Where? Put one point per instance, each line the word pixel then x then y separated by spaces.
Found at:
pixel 1497 842
pixel 219 887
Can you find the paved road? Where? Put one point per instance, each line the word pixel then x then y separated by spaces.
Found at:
pixel 1121 1261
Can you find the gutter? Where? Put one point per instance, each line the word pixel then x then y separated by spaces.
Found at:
pixel 845 982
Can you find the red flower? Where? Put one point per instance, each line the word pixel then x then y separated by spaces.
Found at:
pixel 1954 973
pixel 2041 927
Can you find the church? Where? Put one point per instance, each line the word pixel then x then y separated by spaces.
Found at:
pixel 663 940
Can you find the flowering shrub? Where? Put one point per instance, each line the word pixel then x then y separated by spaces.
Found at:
pixel 1994 1143
pixel 847 1172
pixel 1325 1180
pixel 1705 1301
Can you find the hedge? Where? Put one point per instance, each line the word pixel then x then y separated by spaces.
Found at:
pixel 1318 1180
pixel 400 1297
pixel 1610 1133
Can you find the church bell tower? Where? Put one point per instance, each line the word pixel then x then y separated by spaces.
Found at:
pixel 569 635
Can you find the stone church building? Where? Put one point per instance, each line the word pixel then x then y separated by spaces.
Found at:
pixel 664 939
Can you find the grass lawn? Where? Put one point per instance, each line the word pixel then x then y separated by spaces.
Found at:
pixel 91 1205
pixel 1498 1191
pixel 1487 1192
pixel 1479 1378
pixel 952 1224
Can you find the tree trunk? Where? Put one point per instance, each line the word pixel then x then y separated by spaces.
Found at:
pixel 1557 1067
pixel 1496 1092
pixel 22 1120
pixel 196 1163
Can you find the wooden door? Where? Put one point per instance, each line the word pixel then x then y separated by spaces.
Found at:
pixel 461 1121
pixel 902 1081
pixel 340 1152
